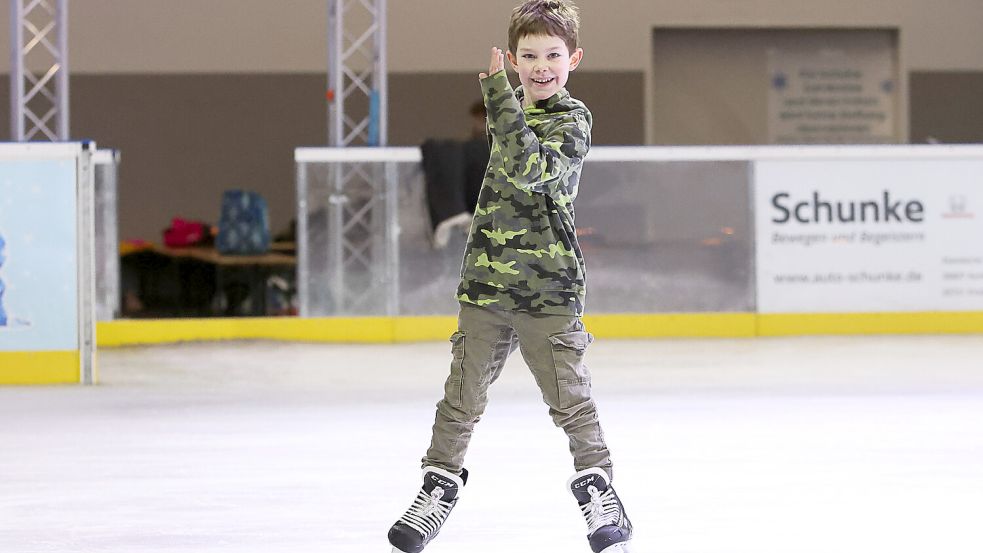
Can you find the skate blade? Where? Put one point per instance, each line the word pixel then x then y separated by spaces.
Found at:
pixel 616 548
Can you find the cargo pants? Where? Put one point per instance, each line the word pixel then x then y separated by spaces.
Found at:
pixel 553 346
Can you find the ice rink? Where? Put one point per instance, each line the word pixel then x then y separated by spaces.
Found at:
pixel 799 445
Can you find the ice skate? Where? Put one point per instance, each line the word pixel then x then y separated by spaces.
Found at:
pixel 608 528
pixel 423 520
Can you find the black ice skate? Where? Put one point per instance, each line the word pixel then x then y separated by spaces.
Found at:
pixel 422 521
pixel 608 528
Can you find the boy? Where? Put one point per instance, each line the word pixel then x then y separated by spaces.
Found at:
pixel 522 280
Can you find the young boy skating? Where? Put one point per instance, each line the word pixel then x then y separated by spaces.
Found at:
pixel 522 280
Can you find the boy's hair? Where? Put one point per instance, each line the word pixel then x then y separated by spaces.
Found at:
pixel 557 18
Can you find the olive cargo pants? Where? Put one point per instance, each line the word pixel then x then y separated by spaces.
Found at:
pixel 553 346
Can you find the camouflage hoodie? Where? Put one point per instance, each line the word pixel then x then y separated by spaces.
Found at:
pixel 522 251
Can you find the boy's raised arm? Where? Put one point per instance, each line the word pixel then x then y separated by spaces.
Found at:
pixel 530 163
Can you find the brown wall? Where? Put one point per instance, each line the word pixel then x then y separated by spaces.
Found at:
pixel 436 105
pixel 186 138
pixel 947 106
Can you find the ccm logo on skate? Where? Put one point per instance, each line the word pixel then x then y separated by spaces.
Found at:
pixel 584 483
pixel 443 483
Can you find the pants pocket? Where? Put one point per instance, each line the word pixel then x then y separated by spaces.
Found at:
pixel 453 386
pixel 572 376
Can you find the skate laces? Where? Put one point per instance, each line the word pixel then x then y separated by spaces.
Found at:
pixel 434 504
pixel 427 513
pixel 601 510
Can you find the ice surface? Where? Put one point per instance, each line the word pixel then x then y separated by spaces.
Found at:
pixel 811 445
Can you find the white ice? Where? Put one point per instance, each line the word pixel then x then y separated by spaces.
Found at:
pixel 800 445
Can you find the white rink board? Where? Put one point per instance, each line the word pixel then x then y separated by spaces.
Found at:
pixel 923 253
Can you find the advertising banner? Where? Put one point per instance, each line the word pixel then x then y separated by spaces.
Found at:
pixel 855 236
pixel 38 248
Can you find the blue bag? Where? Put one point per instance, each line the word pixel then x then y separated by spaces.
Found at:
pixel 244 226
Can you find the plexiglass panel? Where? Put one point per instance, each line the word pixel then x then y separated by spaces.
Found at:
pixel 347 232
pixel 657 237
pixel 667 236
pixel 107 236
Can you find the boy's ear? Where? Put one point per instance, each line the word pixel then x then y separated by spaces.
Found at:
pixel 575 58
pixel 512 60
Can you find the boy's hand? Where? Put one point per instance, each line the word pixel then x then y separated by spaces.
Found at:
pixel 497 63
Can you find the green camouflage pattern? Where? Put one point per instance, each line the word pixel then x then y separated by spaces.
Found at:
pixel 522 251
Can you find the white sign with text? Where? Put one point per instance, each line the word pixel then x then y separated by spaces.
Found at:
pixel 854 236
pixel 831 96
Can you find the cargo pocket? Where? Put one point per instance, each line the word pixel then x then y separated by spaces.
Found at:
pixel 453 386
pixel 572 377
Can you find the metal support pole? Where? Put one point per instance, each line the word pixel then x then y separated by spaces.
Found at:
pixel 335 94
pixel 336 244
pixel 392 239
pixel 39 70
pixel 357 113
pixel 16 70
pixel 86 229
pixel 381 75
pixel 303 243
pixel 61 84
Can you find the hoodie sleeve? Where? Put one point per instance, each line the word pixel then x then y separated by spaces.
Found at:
pixel 541 165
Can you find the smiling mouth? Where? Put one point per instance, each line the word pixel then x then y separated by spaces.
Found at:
pixel 544 81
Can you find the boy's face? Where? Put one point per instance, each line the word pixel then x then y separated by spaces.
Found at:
pixel 544 64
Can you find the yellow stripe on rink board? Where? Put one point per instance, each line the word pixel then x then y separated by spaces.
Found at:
pixel 805 324
pixel 62 367
pixel 422 329
pixel 39 367
pixel 386 330
pixel 369 330
pixel 162 331
pixel 362 330
pixel 376 330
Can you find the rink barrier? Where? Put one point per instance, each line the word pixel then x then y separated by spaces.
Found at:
pixel 364 236
pixel 383 330
pixel 47 269
pixel 388 330
pixel 674 321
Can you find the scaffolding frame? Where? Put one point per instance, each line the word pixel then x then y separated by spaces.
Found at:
pixel 357 73
pixel 39 70
pixel 360 202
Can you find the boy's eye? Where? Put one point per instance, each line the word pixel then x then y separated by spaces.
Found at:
pixel 528 56
pixel 554 55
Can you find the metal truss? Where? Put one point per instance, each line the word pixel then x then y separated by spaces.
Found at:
pixel 357 80
pixel 363 223
pixel 362 273
pixel 39 70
